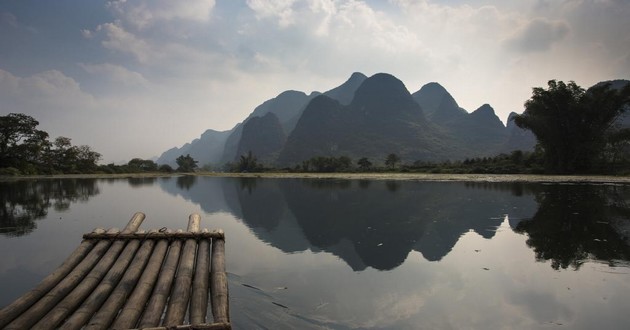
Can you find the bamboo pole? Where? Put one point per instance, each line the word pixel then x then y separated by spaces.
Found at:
pixel 218 283
pixel 98 296
pixel 209 326
pixel 108 311
pixel 13 310
pixel 155 306
pixel 156 235
pixel 178 302
pixel 68 304
pixel 134 306
pixel 201 285
pixel 48 301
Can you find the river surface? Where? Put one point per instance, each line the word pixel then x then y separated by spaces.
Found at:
pixel 359 254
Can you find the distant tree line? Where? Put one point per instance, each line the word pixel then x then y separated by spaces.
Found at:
pixel 185 164
pixel 24 149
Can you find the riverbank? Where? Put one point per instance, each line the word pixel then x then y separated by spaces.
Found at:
pixel 355 176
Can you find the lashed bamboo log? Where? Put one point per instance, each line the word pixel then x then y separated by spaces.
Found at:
pixel 219 285
pixel 10 312
pixel 211 326
pixel 178 302
pixel 98 296
pixel 56 294
pixel 70 302
pixel 134 306
pixel 199 298
pixel 156 235
pixel 155 306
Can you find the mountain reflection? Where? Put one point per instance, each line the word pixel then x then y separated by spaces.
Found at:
pixel 365 223
pixel 23 202
pixel 576 223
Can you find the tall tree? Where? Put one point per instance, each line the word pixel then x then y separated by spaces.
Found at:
pixel 186 163
pixel 20 140
pixel 572 125
pixel 364 164
pixel 392 160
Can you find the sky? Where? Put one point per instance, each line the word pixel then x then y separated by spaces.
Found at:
pixel 135 78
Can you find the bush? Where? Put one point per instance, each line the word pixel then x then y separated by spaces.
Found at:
pixel 9 171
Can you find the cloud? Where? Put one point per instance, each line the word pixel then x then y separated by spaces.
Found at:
pixel 281 10
pixel 144 14
pixel 120 40
pixel 51 85
pixel 538 35
pixel 115 73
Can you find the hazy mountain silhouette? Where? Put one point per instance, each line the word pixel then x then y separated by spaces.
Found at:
pixel 207 149
pixel 518 138
pixel 363 117
pixel 344 93
pixel 381 119
pixel 264 137
pixel 288 107
pixel 438 104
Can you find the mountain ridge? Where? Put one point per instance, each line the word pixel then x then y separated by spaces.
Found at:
pixel 363 117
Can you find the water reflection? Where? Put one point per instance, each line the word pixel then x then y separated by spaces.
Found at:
pixel 22 202
pixel 186 182
pixel 377 224
pixel 577 223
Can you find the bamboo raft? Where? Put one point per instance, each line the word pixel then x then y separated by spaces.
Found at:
pixel 132 279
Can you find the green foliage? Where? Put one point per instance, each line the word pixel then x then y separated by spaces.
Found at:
pixel 142 165
pixel 327 164
pixel 27 149
pixel 186 163
pixel 392 160
pixel 165 168
pixel 572 125
pixel 364 164
pixel 248 163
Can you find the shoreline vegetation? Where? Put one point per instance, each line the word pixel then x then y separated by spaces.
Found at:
pixel 384 176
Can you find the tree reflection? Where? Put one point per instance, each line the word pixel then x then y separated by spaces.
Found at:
pixel 186 182
pixel 577 223
pixel 23 202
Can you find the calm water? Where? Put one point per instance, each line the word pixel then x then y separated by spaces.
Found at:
pixel 360 254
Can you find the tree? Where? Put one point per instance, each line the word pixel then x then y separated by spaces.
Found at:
pixel 572 125
pixel 364 164
pixel 20 140
pixel 392 160
pixel 186 163
pixel 142 165
pixel 86 159
pixel 248 163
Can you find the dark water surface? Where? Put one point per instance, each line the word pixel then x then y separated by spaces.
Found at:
pixel 352 254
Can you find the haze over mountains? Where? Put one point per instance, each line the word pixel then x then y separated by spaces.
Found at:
pixel 363 117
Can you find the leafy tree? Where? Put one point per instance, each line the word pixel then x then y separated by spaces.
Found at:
pixel 86 159
pixel 165 168
pixel 142 165
pixel 392 160
pixel 248 163
pixel 186 163
pixel 572 125
pixel 364 164
pixel 21 142
pixel 327 164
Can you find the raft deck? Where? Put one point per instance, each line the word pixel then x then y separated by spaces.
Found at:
pixel 132 279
